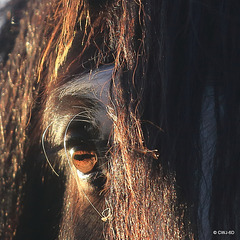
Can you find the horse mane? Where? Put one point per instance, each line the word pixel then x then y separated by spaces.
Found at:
pixel 164 53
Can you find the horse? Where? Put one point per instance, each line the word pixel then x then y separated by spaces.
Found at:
pixel 120 120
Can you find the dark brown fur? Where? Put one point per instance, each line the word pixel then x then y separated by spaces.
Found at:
pixel 155 102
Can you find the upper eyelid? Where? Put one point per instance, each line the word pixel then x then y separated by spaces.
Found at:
pixel 61 112
pixel 97 143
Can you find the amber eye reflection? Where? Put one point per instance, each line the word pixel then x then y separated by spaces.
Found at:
pixel 83 160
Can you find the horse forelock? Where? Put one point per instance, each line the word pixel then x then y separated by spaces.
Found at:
pixel 132 194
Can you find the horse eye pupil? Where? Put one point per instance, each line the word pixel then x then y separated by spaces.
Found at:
pixel 81 157
pixel 84 161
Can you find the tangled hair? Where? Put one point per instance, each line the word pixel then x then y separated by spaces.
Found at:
pixel 174 88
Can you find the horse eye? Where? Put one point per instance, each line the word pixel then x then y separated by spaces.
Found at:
pixel 83 160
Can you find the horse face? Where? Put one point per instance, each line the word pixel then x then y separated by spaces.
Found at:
pixel 86 88
pixel 137 115
pixel 77 124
